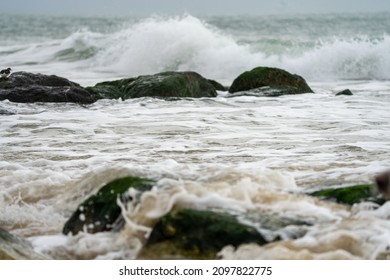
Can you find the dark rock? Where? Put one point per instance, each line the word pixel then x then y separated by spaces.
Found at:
pixel 6 112
pixel 344 92
pixel 112 89
pixel 350 195
pixel 24 87
pixel 218 86
pixel 100 211
pixel 196 234
pixel 383 183
pixel 270 77
pixel 16 248
pixel 162 85
pixel 24 79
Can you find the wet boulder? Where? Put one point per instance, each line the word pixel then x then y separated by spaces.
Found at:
pixel 112 89
pixel 196 234
pixel 161 85
pixel 24 87
pixel 101 212
pixel 344 92
pixel 276 79
pixel 218 86
pixel 350 194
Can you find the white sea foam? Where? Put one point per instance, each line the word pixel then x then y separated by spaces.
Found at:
pixel 350 59
pixel 224 153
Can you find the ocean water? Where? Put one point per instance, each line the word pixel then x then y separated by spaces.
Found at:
pixel 245 154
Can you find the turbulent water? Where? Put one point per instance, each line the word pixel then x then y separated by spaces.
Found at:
pixel 242 154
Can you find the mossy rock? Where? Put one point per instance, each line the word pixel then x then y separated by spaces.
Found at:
pixel 195 234
pixel 218 86
pixel 350 194
pixel 100 211
pixel 270 77
pixel 161 85
pixel 111 89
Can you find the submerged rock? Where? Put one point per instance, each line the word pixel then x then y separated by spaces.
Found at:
pixel 101 211
pixel 350 195
pixel 162 85
pixel 16 248
pixel 276 226
pixel 344 92
pixel 274 78
pixel 196 234
pixel 24 87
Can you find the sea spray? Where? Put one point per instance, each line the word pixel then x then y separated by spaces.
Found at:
pixel 216 50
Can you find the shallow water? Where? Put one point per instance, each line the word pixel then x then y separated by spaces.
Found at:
pixel 242 154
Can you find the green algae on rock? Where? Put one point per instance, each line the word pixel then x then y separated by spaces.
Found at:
pixel 350 194
pixel 274 78
pixel 100 211
pixel 196 234
pixel 161 85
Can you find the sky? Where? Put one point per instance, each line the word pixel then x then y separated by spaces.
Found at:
pixel 196 7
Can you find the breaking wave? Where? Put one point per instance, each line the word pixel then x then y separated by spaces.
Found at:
pixel 187 43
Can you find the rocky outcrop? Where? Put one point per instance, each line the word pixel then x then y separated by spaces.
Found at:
pixel 101 212
pixel 161 85
pixel 196 234
pixel 24 87
pixel 277 80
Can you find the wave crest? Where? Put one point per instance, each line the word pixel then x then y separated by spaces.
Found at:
pixel 180 43
pixel 187 43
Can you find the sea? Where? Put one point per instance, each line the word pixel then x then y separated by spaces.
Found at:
pixel 245 155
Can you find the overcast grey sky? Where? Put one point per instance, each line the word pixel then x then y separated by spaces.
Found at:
pixel 144 7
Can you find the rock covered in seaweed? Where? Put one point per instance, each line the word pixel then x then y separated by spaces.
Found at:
pixel 24 87
pixel 101 211
pixel 274 78
pixel 162 85
pixel 196 234
pixel 350 194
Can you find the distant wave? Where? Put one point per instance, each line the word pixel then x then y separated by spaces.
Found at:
pixel 356 59
pixel 187 43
